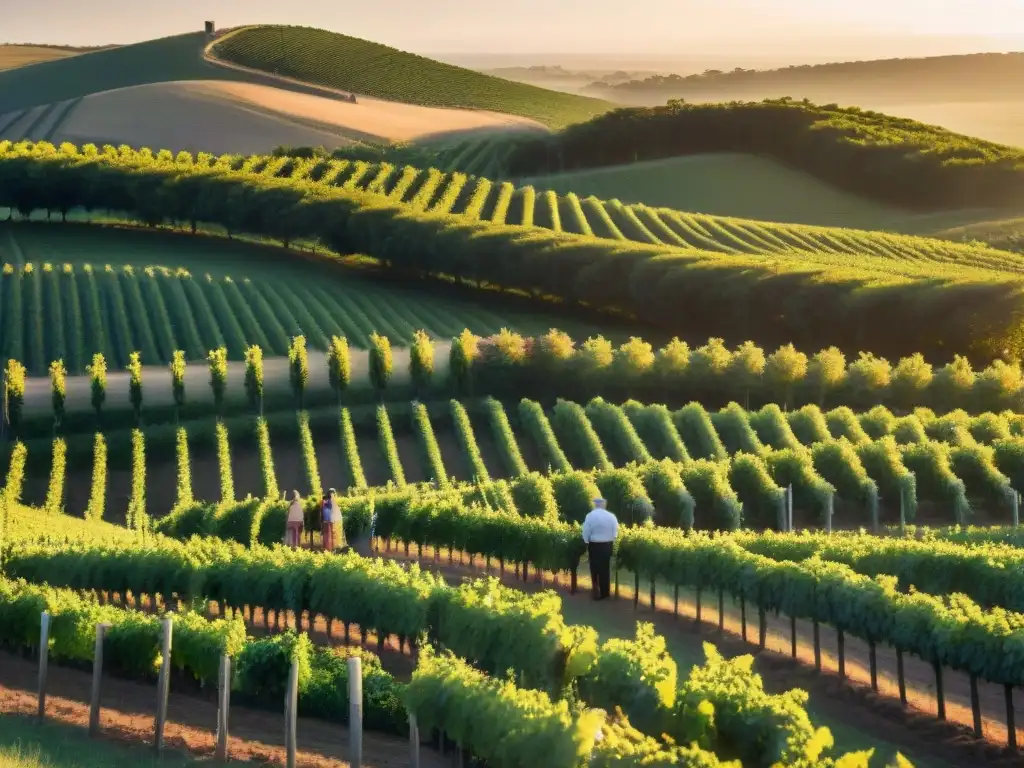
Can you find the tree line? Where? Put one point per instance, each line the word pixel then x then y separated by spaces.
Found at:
pixel 701 293
pixel 895 160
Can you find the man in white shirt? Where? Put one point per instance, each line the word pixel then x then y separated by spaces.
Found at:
pixel 600 529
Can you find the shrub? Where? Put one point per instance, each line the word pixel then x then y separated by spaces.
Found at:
pixel 298 368
pixel 218 362
pixel 14 392
pixel 380 363
pixel 338 365
pixel 254 377
pixel 135 384
pixel 421 362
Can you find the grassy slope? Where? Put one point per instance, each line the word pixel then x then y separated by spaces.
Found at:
pixel 154 61
pixel 29 523
pixel 351 64
pixel 12 56
pixel 727 185
pixel 747 186
pixel 1001 233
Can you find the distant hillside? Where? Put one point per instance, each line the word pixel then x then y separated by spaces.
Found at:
pixel 893 160
pixel 975 77
pixel 167 93
pixel 348 63
pixel 20 55
pixel 154 61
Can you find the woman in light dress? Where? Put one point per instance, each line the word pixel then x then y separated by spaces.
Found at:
pixel 296 516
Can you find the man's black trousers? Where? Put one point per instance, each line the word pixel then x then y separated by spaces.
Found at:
pixel 601 567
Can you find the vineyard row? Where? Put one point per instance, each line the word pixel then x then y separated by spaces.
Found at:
pixel 864 297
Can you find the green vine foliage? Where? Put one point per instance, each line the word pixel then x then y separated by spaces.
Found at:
pixel 298 368
pixel 14 392
pixel 135 384
pixel 339 365
pixel 217 361
pixel 178 378
pixel 254 377
pixel 421 362
pixel 380 362
pixel 97 371
pixel 58 390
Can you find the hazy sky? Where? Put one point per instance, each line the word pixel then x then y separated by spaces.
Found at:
pixel 843 28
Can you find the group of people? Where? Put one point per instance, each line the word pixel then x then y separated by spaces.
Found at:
pixel 330 520
pixel 600 530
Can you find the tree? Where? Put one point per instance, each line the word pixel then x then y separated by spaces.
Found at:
pixel 380 362
pixel 339 365
pixel 826 372
pixel 708 364
pixel 14 393
pixel 461 358
pixel 594 357
pixel 254 377
pixel 999 387
pixel 671 364
pixel 953 383
pixel 98 383
pixel 553 352
pixel 58 390
pixel 784 368
pixel 135 384
pixel 868 378
pixel 178 381
pixel 910 381
pixel 298 368
pixel 421 362
pixel 632 360
pixel 746 368
pixel 218 362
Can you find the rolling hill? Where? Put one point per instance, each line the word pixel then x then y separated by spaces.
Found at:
pixel 683 273
pixel 313 56
pixel 887 159
pixel 20 55
pixel 977 94
pixel 171 92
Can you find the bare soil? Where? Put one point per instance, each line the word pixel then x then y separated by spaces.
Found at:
pixel 221 116
pixel 129 710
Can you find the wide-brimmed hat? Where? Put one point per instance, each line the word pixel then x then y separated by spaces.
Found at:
pixel 600 501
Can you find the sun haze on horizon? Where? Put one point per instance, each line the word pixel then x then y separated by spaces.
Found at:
pixel 795 30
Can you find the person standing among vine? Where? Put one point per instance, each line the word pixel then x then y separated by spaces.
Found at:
pixel 296 515
pixel 600 530
pixel 329 515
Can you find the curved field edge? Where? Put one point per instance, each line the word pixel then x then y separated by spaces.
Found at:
pixel 651 224
pixel 306 54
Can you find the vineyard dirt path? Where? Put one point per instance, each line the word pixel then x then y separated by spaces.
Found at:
pixel 858 717
pixel 156 381
pixel 129 710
